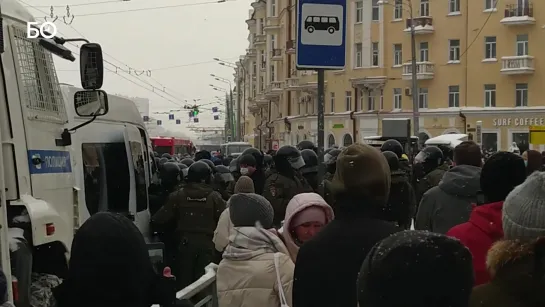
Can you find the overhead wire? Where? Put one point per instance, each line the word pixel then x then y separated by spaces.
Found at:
pixel 85 4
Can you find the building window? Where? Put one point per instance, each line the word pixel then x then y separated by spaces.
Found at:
pixel 490 95
pixel 423 98
pixel 273 77
pixel 424 52
pixel 358 61
pixel 381 100
pixel 398 54
pixel 454 96
pixel 489 142
pixel 374 54
pixel 273 8
pixel 273 41
pixel 359 11
pixel 261 24
pixel 360 101
pixel 371 101
pixel 375 11
pixel 522 44
pixel 424 8
pixel 490 4
pixel 348 100
pixel 254 68
pixel 261 83
pixel 332 102
pixel 454 6
pixel 398 9
pixel 397 98
pixel 522 140
pixel 522 95
pixel 454 50
pixel 490 47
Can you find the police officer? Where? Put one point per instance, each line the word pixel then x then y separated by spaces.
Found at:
pixel 187 161
pixel 258 176
pixel 210 164
pixel 310 170
pixel 330 162
pixel 396 147
pixel 269 164
pixel 429 168
pixel 306 144
pixel 203 154
pixel 166 156
pixel 196 208
pixel 222 179
pixel 285 181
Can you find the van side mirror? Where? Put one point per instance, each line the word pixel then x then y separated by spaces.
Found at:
pixel 91 66
pixel 91 103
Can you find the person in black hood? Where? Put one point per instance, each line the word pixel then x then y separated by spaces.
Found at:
pixel 285 181
pixel 258 176
pixel 310 170
pixel 110 267
pixel 203 154
pixel 401 205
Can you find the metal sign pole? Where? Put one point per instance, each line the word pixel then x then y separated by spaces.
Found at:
pixel 321 120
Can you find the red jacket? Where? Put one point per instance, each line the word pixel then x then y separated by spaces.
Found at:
pixel 478 234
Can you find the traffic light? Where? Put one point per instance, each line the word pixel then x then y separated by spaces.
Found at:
pixel 195 111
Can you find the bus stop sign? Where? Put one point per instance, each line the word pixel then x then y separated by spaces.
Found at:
pixel 321 33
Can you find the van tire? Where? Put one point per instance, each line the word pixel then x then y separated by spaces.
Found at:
pixel 310 29
pixel 331 30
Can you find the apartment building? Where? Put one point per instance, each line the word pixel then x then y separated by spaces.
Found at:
pixel 476 61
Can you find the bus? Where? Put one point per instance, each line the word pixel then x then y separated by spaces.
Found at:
pixel 233 148
pixel 172 145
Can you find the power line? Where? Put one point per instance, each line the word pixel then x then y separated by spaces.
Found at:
pixel 85 4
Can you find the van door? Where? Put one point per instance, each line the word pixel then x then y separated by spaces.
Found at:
pixel 138 200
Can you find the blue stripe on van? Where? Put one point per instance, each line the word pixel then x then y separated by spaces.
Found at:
pixel 52 161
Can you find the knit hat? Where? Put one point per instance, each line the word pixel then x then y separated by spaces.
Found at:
pixel 501 173
pixel 415 269
pixel 309 214
pixel 244 184
pixel 362 171
pixel 524 209
pixel 247 209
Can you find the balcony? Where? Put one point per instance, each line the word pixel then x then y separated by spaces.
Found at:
pixel 519 14
pixel 263 67
pixel 271 25
pixel 261 101
pixel 292 83
pixel 290 46
pixel 276 54
pixel 517 65
pixel 422 25
pixel 274 89
pixel 258 4
pixel 424 71
pixel 251 52
pixel 260 39
pixel 251 23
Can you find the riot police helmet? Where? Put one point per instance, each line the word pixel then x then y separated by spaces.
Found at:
pixel 331 156
pixel 268 160
pixel 187 161
pixel 258 155
pixel 393 146
pixel 393 160
pixel 156 154
pixel 162 162
pixel 170 175
pixel 223 175
pixel 199 172
pixel 183 169
pixel 328 150
pixel 289 154
pixel 227 161
pixel 203 154
pixel 234 166
pixel 310 157
pixel 430 155
pixel 166 155
pixel 210 164
pixel 306 144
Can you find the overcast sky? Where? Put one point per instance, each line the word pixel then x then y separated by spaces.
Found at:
pixel 183 33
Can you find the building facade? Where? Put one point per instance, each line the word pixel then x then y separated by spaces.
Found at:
pixel 476 61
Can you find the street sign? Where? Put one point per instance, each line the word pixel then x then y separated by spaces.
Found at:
pixel 537 135
pixel 321 33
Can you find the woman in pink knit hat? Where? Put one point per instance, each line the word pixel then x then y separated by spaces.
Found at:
pixel 306 215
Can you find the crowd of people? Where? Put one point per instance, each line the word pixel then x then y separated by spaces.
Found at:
pixel 448 229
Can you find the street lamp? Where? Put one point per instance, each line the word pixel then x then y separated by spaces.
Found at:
pixel 244 72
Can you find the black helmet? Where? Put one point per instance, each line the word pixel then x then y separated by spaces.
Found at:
pixel 183 169
pixel 210 164
pixel 166 155
pixel 310 157
pixel 393 160
pixel 162 162
pixel 393 146
pixel 223 175
pixel 227 161
pixel 331 156
pixel 234 166
pixel 258 155
pixel 187 161
pixel 268 160
pixel 199 172
pixel 156 154
pixel 289 154
pixel 170 175
pixel 431 155
pixel 306 144
pixel 203 154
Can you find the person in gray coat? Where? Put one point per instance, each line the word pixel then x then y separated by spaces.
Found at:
pixel 450 203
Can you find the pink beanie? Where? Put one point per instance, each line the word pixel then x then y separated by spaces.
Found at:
pixel 309 214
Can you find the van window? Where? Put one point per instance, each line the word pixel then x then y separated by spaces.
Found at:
pixel 139 177
pixel 106 179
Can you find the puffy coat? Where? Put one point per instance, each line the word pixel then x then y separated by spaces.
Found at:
pixel 297 204
pixel 247 275
pixel 223 230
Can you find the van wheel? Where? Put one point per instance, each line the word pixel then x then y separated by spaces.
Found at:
pixel 310 29
pixel 331 30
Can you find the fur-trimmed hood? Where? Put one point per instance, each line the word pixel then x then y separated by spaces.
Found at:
pixel 518 268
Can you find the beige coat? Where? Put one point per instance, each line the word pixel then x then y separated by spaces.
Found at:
pixel 247 277
pixel 223 230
